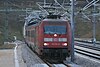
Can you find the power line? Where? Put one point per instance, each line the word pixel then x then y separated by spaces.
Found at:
pixel 14 10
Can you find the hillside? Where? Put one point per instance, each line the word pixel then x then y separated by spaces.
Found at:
pixel 15 20
pixel 85 29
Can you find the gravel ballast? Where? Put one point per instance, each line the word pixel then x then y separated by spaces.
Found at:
pixel 85 61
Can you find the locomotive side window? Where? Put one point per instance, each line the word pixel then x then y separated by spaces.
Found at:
pixel 55 29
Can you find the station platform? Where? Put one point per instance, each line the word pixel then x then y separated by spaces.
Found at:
pixel 8 59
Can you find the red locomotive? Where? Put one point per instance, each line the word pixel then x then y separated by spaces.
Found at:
pixel 50 37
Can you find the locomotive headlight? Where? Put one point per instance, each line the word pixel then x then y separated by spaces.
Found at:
pixel 55 35
pixel 65 44
pixel 48 39
pixel 62 39
pixel 45 44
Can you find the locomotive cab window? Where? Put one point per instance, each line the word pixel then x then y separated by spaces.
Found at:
pixel 55 29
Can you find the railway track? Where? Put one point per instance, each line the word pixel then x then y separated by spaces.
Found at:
pixel 88 52
pixel 49 63
pixel 57 65
pixel 86 41
pixel 88 45
pixel 88 49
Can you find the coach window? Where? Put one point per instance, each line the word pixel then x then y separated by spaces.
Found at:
pixel 25 33
pixel 32 33
pixel 28 33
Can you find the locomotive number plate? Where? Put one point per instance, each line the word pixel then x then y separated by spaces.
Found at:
pixel 55 44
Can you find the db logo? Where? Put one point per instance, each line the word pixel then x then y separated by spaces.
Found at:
pixel 55 39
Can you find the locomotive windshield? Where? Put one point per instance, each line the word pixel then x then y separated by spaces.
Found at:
pixel 55 29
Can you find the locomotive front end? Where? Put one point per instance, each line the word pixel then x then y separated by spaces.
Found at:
pixel 56 39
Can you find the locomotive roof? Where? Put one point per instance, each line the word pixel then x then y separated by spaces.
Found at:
pixel 33 23
pixel 55 20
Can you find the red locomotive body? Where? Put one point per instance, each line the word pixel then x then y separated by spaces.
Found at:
pixel 50 38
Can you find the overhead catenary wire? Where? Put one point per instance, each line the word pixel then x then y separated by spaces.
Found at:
pixel 87 1
pixel 89 4
pixel 41 8
pixel 86 7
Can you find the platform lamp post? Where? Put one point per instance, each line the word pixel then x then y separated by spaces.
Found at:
pixel 72 29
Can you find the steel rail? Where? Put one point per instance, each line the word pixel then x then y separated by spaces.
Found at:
pixel 88 46
pixel 90 54
pixel 86 41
